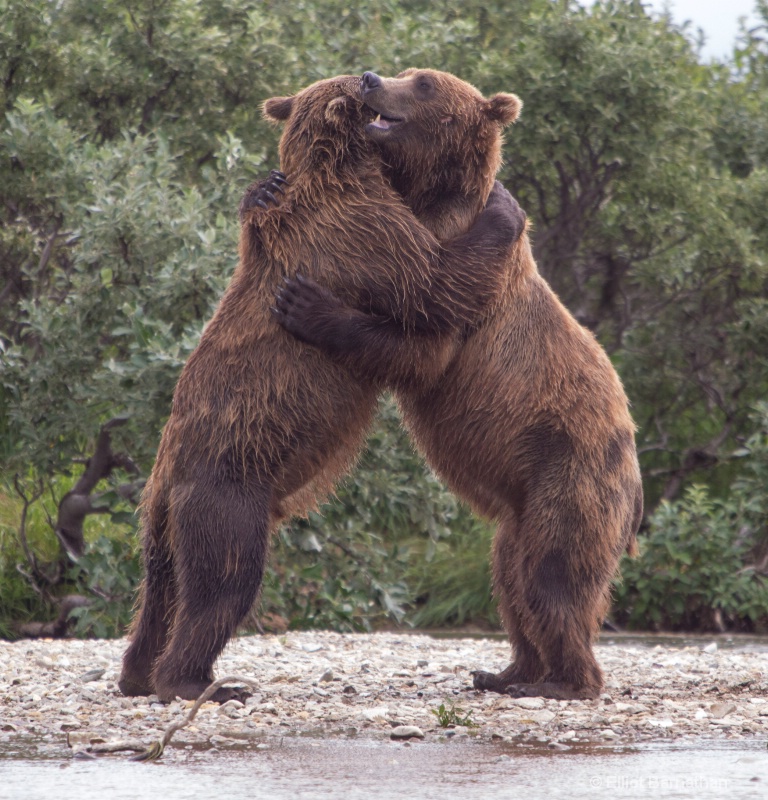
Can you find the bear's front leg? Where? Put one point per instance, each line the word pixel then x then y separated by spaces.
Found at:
pixel 372 347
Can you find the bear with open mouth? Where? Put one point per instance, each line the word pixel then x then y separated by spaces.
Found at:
pixel 528 423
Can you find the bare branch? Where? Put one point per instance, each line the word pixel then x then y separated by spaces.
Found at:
pixel 45 256
pixel 78 503
pixel 27 502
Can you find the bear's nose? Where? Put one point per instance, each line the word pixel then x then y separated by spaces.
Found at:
pixel 370 81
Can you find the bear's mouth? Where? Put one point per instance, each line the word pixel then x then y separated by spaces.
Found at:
pixel 384 123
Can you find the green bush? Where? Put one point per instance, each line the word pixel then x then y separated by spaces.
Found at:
pixel 108 575
pixel 703 562
pixel 129 133
pixel 451 576
pixel 348 568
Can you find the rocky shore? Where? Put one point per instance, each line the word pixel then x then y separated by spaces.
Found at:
pixel 380 686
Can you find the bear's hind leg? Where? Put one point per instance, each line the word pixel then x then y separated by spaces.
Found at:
pixel 525 669
pixel 220 549
pixel 527 666
pixel 158 595
pixel 561 610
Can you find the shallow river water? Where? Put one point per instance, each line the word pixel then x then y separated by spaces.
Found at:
pixel 366 769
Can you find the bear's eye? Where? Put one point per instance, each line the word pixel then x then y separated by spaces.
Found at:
pixel 425 84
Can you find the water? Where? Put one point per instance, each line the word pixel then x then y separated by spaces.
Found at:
pixel 353 769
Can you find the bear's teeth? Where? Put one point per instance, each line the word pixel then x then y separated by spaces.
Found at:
pixel 378 118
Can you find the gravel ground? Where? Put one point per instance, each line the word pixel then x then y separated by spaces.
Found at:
pixel 343 685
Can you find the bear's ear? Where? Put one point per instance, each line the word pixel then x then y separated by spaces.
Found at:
pixel 278 109
pixel 337 109
pixel 503 108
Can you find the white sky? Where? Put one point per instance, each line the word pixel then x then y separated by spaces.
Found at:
pixel 718 18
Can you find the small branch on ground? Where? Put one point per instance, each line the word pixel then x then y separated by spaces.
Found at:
pixel 154 751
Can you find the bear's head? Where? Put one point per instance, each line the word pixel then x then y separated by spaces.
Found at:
pixel 434 124
pixel 324 126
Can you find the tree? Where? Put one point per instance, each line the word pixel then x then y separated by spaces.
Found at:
pixel 131 130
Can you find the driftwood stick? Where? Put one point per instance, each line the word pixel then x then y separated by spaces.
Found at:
pixel 154 751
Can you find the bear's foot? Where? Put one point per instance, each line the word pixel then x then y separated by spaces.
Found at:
pixel 553 690
pixel 499 681
pixel 134 686
pixel 192 689
pixel 488 682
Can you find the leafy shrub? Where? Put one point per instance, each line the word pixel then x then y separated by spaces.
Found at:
pixel 694 569
pixel 108 574
pixel 451 576
pixel 452 716
pixel 346 569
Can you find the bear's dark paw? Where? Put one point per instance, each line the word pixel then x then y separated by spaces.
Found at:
pixel 133 687
pixel 553 690
pixel 192 689
pixel 506 211
pixel 487 681
pixel 260 195
pixel 227 693
pixel 301 305
pixel 523 690
pixel 517 673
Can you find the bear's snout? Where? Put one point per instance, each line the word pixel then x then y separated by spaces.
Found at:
pixel 369 82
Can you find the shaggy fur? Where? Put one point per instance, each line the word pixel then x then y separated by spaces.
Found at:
pixel 528 423
pixel 262 425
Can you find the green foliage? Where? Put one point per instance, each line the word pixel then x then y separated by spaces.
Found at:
pixel 704 561
pixel 452 716
pixel 348 569
pixel 109 575
pixel 130 132
pixel 451 576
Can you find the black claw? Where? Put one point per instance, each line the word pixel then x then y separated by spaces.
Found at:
pixel 270 196
pixel 276 187
pixel 278 176
pixel 260 204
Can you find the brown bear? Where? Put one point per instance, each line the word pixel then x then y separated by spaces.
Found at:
pixel 529 422
pixel 262 425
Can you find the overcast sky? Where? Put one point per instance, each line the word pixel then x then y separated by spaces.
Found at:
pixel 718 18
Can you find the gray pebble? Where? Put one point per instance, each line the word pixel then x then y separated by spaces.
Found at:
pixel 406 732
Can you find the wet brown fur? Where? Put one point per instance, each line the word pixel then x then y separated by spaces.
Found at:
pixel 529 422
pixel 262 425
